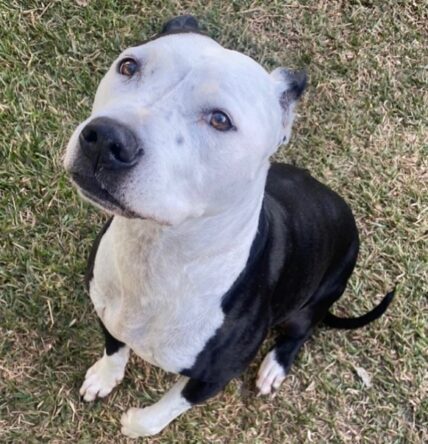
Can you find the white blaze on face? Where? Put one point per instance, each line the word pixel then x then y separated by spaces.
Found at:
pixel 189 168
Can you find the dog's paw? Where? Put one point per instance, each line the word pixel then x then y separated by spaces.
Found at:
pixel 140 422
pixel 103 376
pixel 270 375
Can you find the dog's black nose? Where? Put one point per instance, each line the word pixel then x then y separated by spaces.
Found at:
pixel 108 143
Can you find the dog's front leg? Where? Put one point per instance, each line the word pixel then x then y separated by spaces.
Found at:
pixel 108 371
pixel 181 397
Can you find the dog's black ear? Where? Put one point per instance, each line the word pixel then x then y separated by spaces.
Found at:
pixel 289 86
pixel 294 83
pixel 182 23
pixel 297 81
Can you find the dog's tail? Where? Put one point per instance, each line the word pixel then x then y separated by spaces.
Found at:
pixel 349 323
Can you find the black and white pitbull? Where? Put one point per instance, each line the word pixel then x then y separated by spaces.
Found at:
pixel 210 245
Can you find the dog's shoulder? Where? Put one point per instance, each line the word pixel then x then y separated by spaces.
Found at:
pixel 289 183
pixel 302 197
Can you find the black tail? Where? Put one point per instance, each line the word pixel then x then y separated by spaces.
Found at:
pixel 349 323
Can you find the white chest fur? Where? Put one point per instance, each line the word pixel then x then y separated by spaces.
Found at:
pixel 159 290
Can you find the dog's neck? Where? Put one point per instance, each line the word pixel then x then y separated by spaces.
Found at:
pixel 214 248
pixel 202 236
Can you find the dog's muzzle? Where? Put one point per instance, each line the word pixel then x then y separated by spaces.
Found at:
pixel 107 151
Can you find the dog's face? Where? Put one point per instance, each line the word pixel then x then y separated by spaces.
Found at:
pixel 180 128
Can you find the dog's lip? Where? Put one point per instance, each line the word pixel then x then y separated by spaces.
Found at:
pixel 93 190
pixel 89 187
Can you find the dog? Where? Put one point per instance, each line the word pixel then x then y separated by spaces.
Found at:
pixel 209 245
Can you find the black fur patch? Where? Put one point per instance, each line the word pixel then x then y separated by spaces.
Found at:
pixel 296 85
pixel 300 253
pixel 112 344
pixel 182 23
pixel 178 25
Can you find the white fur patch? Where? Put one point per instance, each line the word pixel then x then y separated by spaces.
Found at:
pixel 104 375
pixel 151 420
pixel 159 289
pixel 270 375
pixel 182 79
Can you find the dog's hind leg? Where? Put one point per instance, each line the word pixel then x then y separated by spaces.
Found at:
pixel 299 327
pixel 108 371
pixel 277 362
pixel 297 330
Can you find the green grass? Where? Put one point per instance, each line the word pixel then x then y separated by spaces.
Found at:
pixel 361 128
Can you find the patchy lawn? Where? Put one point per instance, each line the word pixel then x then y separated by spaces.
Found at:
pixel 361 128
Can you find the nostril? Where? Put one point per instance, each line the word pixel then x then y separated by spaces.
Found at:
pixel 117 151
pixel 124 155
pixel 90 135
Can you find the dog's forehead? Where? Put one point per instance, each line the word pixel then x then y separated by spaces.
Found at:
pixel 190 50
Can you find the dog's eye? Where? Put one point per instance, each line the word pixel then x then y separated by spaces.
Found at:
pixel 220 121
pixel 127 67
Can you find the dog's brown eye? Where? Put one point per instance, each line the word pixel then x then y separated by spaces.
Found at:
pixel 127 67
pixel 220 121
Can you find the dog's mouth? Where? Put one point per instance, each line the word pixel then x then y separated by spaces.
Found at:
pixel 96 193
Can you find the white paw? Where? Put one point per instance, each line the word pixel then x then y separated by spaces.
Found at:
pixel 103 376
pixel 270 375
pixel 152 419
pixel 140 422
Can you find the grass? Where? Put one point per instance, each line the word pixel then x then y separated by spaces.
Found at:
pixel 361 129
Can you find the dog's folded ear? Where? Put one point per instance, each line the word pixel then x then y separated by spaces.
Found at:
pixel 290 86
pixel 182 23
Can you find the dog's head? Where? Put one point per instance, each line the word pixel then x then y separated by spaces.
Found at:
pixel 181 127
